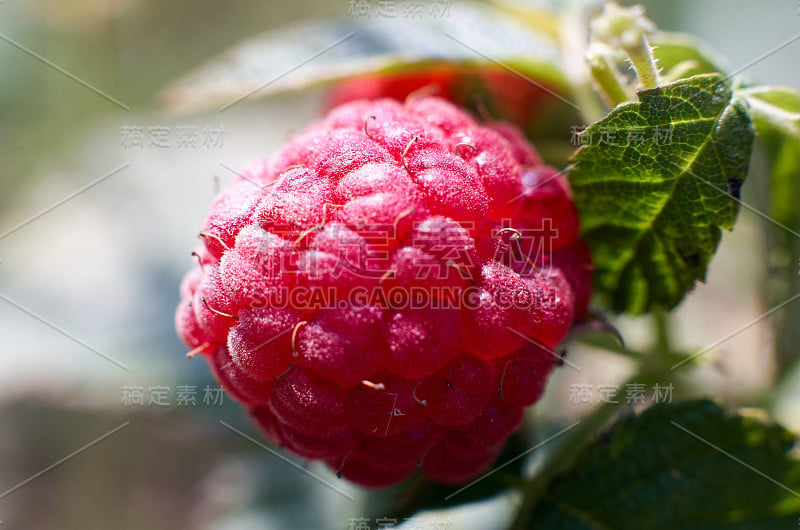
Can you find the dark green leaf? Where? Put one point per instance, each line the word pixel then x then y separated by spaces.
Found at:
pixel 654 184
pixel 690 466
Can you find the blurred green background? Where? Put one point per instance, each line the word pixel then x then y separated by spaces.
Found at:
pixel 89 287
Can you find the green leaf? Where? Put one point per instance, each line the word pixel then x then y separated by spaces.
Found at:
pixel 689 465
pixel 654 184
pixel 685 52
pixel 317 53
pixel 781 105
pixel 776 115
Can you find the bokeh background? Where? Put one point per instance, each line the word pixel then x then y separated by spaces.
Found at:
pixel 95 234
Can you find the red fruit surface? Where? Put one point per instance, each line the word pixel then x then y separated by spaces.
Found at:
pixel 455 460
pixel 504 94
pixel 523 374
pixel 552 303
pixel 503 314
pixel 386 408
pixel 456 394
pixel 366 295
pixel 441 82
pixel 546 208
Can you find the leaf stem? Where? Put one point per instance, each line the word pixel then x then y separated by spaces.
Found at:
pixel 626 29
pixel 642 59
pixel 661 325
pixel 605 76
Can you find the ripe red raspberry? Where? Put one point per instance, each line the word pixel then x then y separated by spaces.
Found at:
pixel 503 94
pixel 382 294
